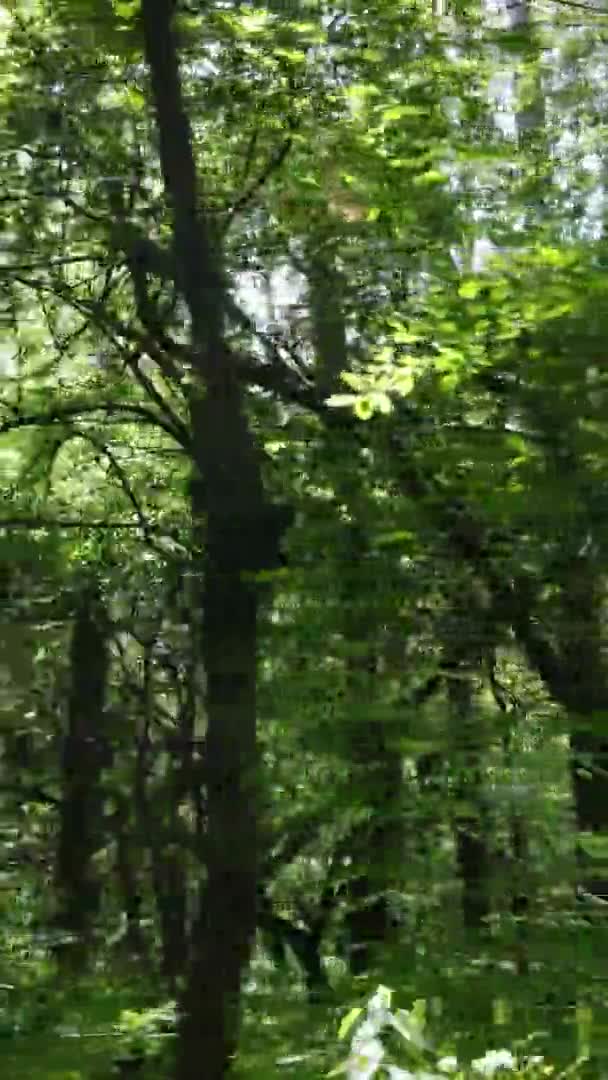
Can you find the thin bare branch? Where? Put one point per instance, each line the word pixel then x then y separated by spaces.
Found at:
pixel 273 165
pixel 113 329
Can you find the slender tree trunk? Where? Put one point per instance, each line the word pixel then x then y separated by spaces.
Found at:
pixel 519 847
pixel 172 875
pixel 83 759
pixel 156 835
pixel 470 818
pixel 377 846
pixel 466 645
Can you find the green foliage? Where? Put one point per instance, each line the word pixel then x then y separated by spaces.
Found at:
pixel 141 1034
pixel 436 420
pixel 417 1057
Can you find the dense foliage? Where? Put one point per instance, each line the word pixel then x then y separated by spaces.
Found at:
pixel 303 451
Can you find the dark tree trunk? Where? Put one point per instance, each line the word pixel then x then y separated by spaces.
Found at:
pixel 520 889
pixel 224 930
pixel 369 924
pixel 470 818
pixel 85 754
pixel 169 886
pixel 466 645
pixel 519 848
pixel 156 826
pixel 574 671
pixel 172 879
pixel 567 654
pixel 376 848
pixel 240 534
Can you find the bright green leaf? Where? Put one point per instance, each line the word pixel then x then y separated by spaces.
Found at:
pixel 364 408
pixel 398 112
pixel 348 1021
pixel 404 383
pixel 433 176
pixel 471 289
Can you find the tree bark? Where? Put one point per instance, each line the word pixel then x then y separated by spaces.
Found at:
pixel 84 756
pixel 377 845
pixel 572 665
pixel 470 818
pixel 466 644
pixel 240 535
pixel 569 659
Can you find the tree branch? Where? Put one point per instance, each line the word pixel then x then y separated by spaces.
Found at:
pixel 273 164
pixel 66 413
pixel 49 264
pixel 113 328
pixel 100 446
pixel 41 522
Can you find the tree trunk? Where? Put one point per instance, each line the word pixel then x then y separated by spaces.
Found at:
pixel 240 535
pixel 376 847
pixel 85 753
pixel 156 820
pixel 466 643
pixel 569 658
pixel 470 818
pixel 575 673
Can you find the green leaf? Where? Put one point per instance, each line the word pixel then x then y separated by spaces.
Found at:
pixel 406 337
pixel 410 1026
pixel 253 23
pixel 397 112
pixel 470 290
pixel 340 401
pixel 398 537
pixel 404 383
pixel 384 355
pixel 347 1022
pixel 433 176
pixel 364 408
pixel 127 9
pixel 382 997
pixel 295 56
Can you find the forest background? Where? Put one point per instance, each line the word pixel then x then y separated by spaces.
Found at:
pixel 303 543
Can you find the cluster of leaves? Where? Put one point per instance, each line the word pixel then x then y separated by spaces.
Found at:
pixel 418 1058
pixel 140 1035
pixel 455 515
